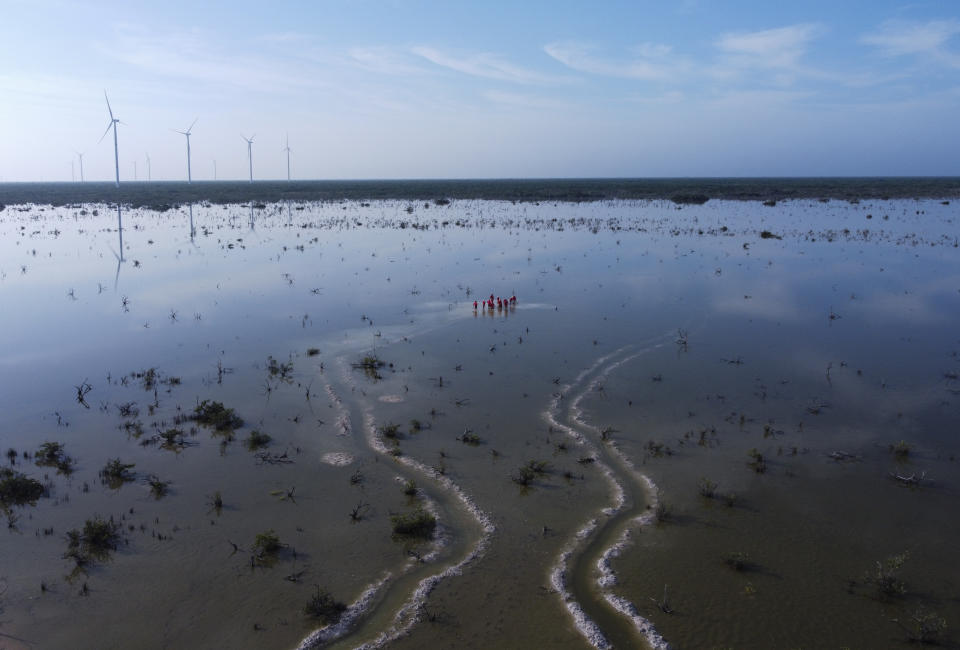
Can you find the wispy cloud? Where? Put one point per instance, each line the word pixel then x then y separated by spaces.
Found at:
pixel 384 60
pixel 523 100
pixel 489 66
pixel 194 55
pixel 898 38
pixel 650 61
pixel 770 48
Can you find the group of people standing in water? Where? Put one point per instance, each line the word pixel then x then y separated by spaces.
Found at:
pixel 499 302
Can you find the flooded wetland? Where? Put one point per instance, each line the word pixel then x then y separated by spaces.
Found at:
pixel 297 423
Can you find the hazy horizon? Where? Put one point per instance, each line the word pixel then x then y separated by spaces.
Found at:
pixel 392 91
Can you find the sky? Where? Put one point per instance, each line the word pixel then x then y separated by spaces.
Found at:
pixel 376 89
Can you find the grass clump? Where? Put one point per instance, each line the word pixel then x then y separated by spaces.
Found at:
pixel 924 626
pixel 216 415
pixel 526 474
pixel 278 369
pixel 737 560
pixel 706 487
pixel 52 454
pixel 757 463
pixel 324 608
pixel 158 488
pixel 115 473
pixel 470 438
pixel 172 439
pixel 18 489
pixel 98 537
pixel 900 449
pixel 885 576
pixel 266 545
pixel 257 440
pixel 370 365
pixel 410 488
pixel 419 524
pixel 391 431
pixel 216 502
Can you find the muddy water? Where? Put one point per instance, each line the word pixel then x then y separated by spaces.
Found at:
pixel 838 337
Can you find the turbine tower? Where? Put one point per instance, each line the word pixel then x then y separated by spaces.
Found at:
pixel 80 156
pixel 249 152
pixel 149 177
pixel 287 149
pixel 187 133
pixel 113 123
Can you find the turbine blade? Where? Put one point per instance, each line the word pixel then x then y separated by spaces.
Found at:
pixel 190 128
pixel 105 132
pixel 108 104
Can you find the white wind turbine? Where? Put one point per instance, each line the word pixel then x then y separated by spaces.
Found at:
pixel 80 156
pixel 287 149
pixel 187 133
pixel 249 151
pixel 113 122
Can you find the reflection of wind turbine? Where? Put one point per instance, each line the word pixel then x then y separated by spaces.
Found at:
pixel 113 122
pixel 287 149
pixel 249 152
pixel 80 156
pixel 187 133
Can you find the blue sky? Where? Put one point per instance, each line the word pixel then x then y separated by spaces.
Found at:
pixel 415 89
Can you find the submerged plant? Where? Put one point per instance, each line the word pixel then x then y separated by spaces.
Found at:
pixel 757 462
pixel 706 487
pixel 737 560
pixel 900 449
pixel 115 473
pixel 18 489
pixel 370 365
pixel 216 502
pixel 885 576
pixel 418 524
pixel 98 537
pixel 158 488
pixel 391 431
pixel 257 440
pixel 924 626
pixel 266 545
pixel 51 454
pixel 216 415
pixel 324 608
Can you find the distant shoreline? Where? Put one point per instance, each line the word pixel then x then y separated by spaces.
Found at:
pixel 165 194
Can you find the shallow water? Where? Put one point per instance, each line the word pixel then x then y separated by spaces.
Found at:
pixel 839 336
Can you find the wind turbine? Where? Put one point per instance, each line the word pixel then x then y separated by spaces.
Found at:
pixel 80 156
pixel 287 149
pixel 249 151
pixel 187 133
pixel 113 122
pixel 149 177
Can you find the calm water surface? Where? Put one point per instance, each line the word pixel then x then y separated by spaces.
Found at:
pixel 653 350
